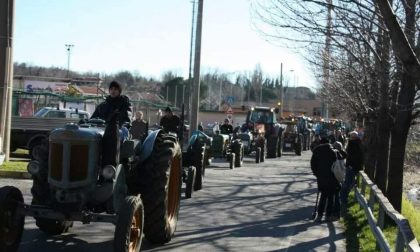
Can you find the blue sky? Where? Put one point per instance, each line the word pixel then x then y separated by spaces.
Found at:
pixel 149 37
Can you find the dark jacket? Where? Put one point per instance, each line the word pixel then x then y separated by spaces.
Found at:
pixel 170 123
pixel 355 154
pixel 111 105
pixel 139 129
pixel 322 159
pixel 226 129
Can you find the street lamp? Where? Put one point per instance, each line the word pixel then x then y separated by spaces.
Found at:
pixel 68 48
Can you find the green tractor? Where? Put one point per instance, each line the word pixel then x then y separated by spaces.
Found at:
pixel 87 174
pixel 229 147
pixel 195 160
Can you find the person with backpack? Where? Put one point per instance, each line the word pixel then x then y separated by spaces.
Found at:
pixel 322 159
pixel 341 156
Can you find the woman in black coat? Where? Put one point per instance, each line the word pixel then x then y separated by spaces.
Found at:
pixel 322 159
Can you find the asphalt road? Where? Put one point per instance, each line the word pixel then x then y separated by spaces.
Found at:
pixel 264 207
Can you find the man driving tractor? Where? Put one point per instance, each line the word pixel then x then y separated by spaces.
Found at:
pixel 226 128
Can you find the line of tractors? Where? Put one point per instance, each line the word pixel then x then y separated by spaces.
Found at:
pixel 86 173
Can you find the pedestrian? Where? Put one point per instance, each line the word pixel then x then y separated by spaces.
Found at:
pixel 341 155
pixel 139 127
pixel 354 164
pixel 316 142
pixel 322 159
pixel 170 122
pixel 341 138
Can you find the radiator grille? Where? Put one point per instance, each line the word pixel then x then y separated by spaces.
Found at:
pixel 56 151
pixel 79 162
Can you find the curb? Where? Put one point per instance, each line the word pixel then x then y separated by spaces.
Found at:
pixel 15 174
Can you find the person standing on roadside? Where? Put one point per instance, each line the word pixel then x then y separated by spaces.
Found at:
pixel 139 127
pixel 354 164
pixel 322 159
pixel 341 155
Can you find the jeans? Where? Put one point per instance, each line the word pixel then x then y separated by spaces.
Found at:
pixel 349 182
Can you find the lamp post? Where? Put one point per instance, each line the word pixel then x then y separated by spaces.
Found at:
pixel 68 48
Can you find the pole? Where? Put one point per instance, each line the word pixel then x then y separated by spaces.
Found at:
pixel 327 54
pixel 6 73
pixel 196 84
pixel 189 88
pixel 68 46
pixel 281 90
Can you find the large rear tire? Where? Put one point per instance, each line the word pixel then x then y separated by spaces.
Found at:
pixel 262 157
pixel 238 149
pixel 232 160
pixel 129 228
pixel 189 183
pixel 257 155
pixel 272 145
pixel 11 224
pixel 198 154
pixel 158 180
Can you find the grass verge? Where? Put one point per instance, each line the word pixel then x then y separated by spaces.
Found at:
pixel 359 236
pixel 413 216
pixel 14 166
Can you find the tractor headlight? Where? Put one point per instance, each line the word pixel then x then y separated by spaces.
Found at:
pixel 108 172
pixel 33 167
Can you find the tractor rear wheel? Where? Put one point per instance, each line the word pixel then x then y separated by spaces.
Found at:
pixel 238 149
pixel 262 158
pixel 11 224
pixel 257 155
pixel 191 174
pixel 272 145
pixel 231 160
pixel 158 180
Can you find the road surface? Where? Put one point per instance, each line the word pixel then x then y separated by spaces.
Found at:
pixel 258 207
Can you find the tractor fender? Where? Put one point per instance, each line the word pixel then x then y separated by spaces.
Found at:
pixel 36 138
pixel 148 144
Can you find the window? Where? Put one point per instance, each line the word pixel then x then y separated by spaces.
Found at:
pixel 56 114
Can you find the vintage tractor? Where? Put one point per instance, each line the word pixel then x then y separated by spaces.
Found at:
pixel 226 146
pixel 304 127
pixel 194 161
pixel 88 174
pixel 291 139
pixel 261 133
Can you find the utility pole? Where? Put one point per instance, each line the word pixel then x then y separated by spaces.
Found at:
pixel 281 90
pixel 327 55
pixel 6 73
pixel 189 87
pixel 68 48
pixel 195 106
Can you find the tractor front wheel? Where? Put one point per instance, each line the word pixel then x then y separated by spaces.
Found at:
pixel 11 223
pixel 129 228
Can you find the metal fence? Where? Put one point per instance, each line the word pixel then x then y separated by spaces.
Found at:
pixel 406 241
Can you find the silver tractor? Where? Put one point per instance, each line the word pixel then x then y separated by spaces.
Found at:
pixel 88 174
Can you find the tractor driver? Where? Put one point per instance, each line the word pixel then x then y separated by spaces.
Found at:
pixel 226 128
pixel 170 122
pixel 115 103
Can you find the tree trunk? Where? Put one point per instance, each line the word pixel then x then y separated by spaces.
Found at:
pixel 399 140
pixel 371 147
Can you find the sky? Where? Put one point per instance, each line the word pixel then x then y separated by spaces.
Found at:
pixel 147 37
